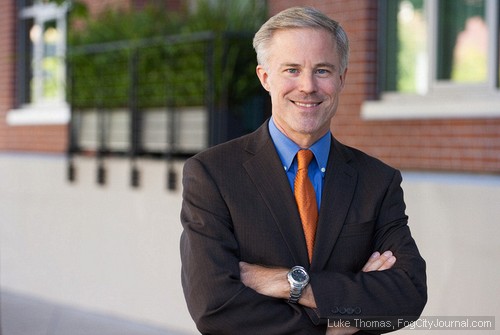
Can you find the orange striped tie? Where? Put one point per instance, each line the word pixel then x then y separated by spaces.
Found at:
pixel 305 196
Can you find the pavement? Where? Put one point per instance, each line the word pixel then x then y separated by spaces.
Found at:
pixel 25 315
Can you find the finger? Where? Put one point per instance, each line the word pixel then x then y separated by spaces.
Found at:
pixel 377 261
pixel 371 260
pixel 387 264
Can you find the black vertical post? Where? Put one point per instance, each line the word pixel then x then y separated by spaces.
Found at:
pixel 171 128
pixel 101 132
pixel 72 128
pixel 101 150
pixel 135 119
pixel 213 117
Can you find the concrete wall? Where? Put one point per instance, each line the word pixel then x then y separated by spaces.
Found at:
pixel 114 249
pixel 456 222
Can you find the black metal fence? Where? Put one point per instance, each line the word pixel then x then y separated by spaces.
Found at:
pixel 161 98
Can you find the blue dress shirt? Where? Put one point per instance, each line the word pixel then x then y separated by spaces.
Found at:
pixel 287 149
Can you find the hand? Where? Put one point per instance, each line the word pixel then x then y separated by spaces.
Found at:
pixel 376 262
pixel 379 262
pixel 273 282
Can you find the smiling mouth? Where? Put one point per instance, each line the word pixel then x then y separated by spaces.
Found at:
pixel 306 104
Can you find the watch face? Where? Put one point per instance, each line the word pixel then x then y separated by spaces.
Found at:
pixel 299 275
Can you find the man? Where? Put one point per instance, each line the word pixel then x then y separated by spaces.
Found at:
pixel 246 225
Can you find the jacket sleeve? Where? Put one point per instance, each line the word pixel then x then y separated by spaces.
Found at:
pixel 378 301
pixel 217 300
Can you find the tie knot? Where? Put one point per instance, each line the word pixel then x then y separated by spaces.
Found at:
pixel 304 157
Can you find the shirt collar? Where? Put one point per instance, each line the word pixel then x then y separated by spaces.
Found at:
pixel 287 149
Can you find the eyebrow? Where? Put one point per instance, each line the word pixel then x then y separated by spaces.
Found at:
pixel 319 65
pixel 289 65
pixel 328 65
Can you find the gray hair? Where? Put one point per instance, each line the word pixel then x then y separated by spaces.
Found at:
pixel 300 17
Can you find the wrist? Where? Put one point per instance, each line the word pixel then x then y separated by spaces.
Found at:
pixel 298 279
pixel 307 297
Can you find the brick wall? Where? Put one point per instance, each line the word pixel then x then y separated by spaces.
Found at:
pixel 6 65
pixel 170 5
pixel 95 7
pixel 445 145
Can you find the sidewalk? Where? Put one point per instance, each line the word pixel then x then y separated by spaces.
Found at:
pixel 22 315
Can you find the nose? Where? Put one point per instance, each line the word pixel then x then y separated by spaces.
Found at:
pixel 308 83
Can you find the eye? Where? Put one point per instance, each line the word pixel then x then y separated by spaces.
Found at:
pixel 322 71
pixel 292 71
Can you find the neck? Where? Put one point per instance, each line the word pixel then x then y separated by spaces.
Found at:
pixel 303 140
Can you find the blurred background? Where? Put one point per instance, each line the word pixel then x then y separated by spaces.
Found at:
pixel 101 102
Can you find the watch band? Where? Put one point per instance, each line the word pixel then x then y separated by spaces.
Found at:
pixel 295 294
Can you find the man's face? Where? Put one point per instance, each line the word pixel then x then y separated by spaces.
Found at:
pixel 302 75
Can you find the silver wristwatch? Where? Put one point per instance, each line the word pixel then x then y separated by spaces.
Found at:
pixel 298 279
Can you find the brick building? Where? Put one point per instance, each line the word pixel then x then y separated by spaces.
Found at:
pixel 413 98
pixel 455 129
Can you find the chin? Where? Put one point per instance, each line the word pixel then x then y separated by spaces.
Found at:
pixel 308 130
pixel 309 125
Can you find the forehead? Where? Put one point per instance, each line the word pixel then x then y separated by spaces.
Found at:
pixel 300 45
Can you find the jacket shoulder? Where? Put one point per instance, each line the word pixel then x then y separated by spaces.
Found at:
pixel 363 161
pixel 238 147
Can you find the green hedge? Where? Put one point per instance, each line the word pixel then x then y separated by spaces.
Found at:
pixel 169 53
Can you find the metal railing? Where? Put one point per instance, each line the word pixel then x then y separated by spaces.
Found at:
pixel 160 98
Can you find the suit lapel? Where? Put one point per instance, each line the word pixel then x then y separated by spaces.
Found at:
pixel 273 186
pixel 338 191
pixel 275 190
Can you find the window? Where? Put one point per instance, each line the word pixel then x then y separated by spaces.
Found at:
pixel 462 41
pixel 406 65
pixel 439 58
pixel 41 69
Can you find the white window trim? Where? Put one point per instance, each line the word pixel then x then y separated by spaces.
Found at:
pixel 444 99
pixel 459 105
pixel 43 112
pixel 39 114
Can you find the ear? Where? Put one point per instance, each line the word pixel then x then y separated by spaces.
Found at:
pixel 343 78
pixel 263 76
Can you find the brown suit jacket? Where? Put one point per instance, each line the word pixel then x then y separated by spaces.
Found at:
pixel 238 206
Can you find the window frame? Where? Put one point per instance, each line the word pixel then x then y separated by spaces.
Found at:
pixel 32 110
pixel 443 98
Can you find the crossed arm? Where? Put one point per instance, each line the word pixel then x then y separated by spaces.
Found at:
pixel 224 294
pixel 273 282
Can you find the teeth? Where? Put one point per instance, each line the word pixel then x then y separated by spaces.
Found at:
pixel 305 105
